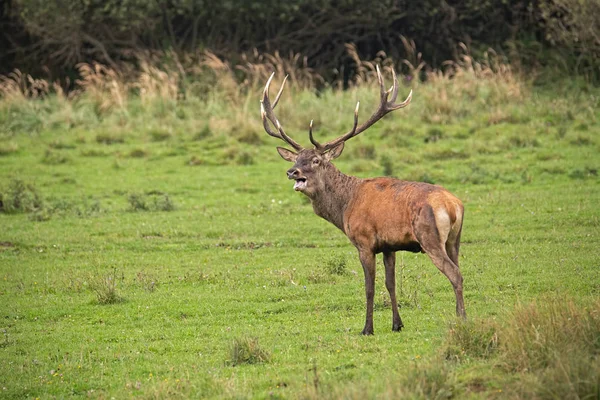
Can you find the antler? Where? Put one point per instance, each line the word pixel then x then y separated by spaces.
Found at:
pixel 267 114
pixel 385 106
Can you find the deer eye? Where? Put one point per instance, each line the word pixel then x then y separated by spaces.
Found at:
pixel 315 161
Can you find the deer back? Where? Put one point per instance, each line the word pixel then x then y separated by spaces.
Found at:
pixel 381 216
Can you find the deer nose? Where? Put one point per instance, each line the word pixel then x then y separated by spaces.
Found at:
pixel 293 173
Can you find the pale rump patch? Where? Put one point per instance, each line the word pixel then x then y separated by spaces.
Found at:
pixel 442 220
pixel 458 223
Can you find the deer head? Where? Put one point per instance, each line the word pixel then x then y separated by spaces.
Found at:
pixel 311 164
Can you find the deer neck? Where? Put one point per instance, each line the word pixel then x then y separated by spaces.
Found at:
pixel 334 195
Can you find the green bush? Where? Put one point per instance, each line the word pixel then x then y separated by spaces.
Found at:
pixel 20 197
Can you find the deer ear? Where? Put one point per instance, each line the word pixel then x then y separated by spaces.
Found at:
pixel 335 152
pixel 287 155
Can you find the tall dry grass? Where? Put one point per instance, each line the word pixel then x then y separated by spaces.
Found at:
pixel 25 102
pixel 465 86
pixel 462 88
pixel 106 88
pixel 17 87
pixel 551 345
pixel 224 95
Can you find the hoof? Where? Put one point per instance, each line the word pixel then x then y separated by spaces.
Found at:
pixel 367 332
pixel 397 328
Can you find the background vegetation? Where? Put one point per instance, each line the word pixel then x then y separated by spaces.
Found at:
pixel 51 37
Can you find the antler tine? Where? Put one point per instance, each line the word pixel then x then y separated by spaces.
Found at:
pixel 267 114
pixel 312 139
pixel 267 86
pixel 353 131
pixel 288 139
pixel 403 104
pixel 356 116
pixel 394 91
pixel 382 90
pixel 394 88
pixel 280 91
pixel 385 106
pixel 266 125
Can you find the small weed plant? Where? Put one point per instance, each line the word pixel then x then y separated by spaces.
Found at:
pixel 336 266
pixel 150 202
pixel 147 281
pixel 106 287
pixel 247 350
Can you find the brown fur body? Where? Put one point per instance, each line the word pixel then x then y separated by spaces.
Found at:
pixel 381 217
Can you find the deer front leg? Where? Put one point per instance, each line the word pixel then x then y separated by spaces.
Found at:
pixel 367 259
pixel 389 260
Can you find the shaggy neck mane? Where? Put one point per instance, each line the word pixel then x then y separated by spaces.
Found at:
pixel 331 200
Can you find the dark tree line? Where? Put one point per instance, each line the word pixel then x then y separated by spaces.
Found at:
pixel 54 35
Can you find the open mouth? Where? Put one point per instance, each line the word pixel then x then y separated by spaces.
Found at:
pixel 300 184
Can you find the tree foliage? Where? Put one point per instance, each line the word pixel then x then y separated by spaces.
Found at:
pixel 574 27
pixel 60 33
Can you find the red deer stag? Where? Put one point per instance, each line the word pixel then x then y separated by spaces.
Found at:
pixel 379 215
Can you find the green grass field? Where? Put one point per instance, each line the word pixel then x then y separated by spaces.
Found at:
pixel 149 253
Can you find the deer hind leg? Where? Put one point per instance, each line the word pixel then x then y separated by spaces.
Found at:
pixel 433 232
pixel 453 241
pixel 389 260
pixel 367 259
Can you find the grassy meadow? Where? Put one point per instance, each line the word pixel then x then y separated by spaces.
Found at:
pixel 151 245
